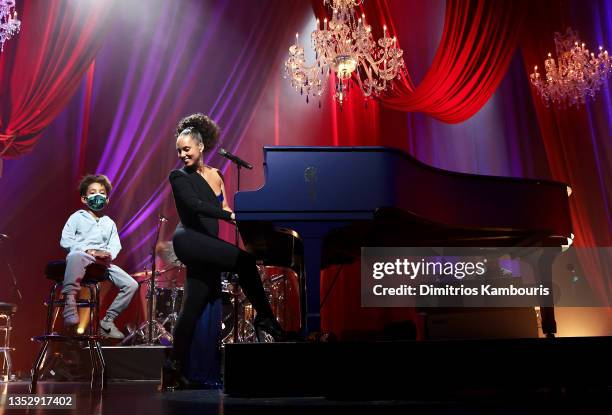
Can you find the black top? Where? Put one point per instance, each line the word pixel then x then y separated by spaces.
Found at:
pixel 197 205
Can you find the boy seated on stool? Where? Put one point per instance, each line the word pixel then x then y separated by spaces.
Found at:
pixel 91 236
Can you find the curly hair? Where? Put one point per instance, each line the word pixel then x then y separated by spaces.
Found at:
pixel 201 127
pixel 94 178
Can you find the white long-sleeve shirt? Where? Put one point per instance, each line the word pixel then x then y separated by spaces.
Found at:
pixel 83 232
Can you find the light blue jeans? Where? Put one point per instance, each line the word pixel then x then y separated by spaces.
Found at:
pixel 77 261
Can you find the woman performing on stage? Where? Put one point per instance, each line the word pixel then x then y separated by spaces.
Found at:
pixel 199 194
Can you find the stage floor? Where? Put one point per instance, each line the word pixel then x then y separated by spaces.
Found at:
pixel 142 397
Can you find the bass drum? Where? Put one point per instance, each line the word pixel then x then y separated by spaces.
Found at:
pixel 283 291
pixel 168 301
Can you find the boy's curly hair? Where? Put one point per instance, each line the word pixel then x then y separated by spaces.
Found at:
pixel 201 127
pixel 94 178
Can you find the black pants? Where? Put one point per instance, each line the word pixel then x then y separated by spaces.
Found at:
pixel 205 258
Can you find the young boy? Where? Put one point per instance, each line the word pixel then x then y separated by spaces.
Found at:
pixel 90 236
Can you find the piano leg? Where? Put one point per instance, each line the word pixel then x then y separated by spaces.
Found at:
pixel 544 267
pixel 312 235
pixel 312 253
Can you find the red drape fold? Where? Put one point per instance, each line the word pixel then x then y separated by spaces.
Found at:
pixel 477 45
pixel 42 67
pixel 476 48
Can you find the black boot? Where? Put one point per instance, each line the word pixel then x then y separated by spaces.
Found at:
pixel 268 329
pixel 172 377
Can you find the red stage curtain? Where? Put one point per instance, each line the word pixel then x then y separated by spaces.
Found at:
pixel 41 68
pixel 476 48
pixel 462 79
pixel 477 45
pixel 576 153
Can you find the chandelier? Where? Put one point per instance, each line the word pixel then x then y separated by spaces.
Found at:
pixel 345 46
pixel 576 75
pixel 9 25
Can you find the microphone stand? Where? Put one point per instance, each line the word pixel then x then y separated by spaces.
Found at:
pixel 13 276
pixel 237 190
pixel 152 283
pixel 15 286
pixel 239 164
pixel 236 308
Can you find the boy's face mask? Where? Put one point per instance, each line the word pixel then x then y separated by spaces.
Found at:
pixel 96 201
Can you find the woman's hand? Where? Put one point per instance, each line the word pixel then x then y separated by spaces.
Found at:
pixel 232 214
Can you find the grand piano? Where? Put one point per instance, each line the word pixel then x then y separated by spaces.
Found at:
pixel 320 205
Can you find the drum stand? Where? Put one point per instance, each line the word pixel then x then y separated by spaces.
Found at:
pixel 152 330
pixel 172 317
pixel 242 327
pixel 236 300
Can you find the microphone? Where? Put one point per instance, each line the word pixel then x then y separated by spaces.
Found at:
pixel 235 159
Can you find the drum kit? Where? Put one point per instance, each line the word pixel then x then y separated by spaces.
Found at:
pixel 282 290
pixel 165 303
pixel 280 284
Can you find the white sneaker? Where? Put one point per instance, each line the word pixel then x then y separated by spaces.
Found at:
pixel 71 313
pixel 109 330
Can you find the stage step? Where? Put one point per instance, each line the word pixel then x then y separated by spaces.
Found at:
pixel 409 369
pixel 134 362
pixel 127 362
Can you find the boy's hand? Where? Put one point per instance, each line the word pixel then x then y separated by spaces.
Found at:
pixel 102 257
pixel 98 253
pixel 102 254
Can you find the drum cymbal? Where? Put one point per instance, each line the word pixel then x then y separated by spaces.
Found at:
pixel 165 278
pixel 147 273
pixel 141 274
pixel 176 268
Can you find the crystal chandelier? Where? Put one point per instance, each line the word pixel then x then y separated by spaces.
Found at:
pixel 576 75
pixel 9 25
pixel 345 46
